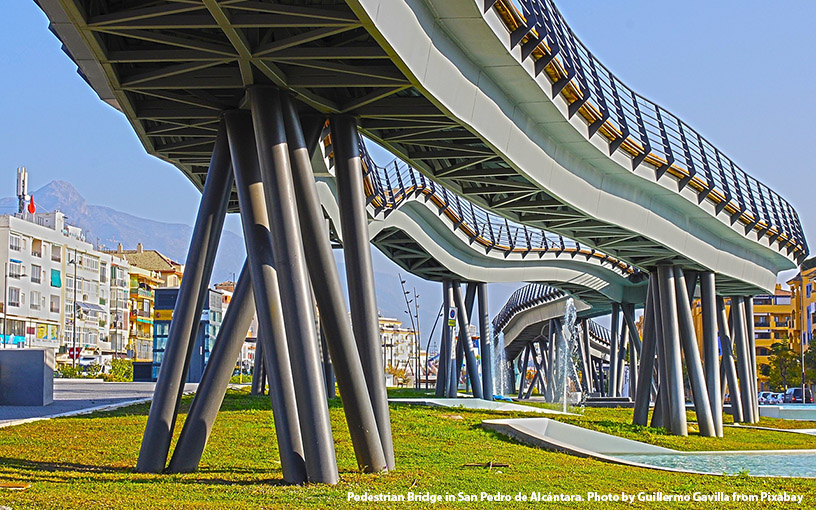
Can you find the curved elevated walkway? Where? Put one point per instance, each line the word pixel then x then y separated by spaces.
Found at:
pixel 497 101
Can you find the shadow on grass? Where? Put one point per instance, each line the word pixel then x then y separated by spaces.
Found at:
pixel 59 466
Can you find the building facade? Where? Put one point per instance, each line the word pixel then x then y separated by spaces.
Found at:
pixel 399 350
pixel 59 292
pixel 141 295
pixel 211 316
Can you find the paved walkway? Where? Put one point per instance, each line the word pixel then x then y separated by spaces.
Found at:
pixel 79 396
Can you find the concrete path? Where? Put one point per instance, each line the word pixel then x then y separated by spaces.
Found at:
pixel 80 396
pixel 474 403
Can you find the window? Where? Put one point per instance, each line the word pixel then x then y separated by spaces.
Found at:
pixel 15 270
pixel 36 247
pixel 56 253
pixel 34 299
pixel 14 296
pixel 36 274
pixel 15 243
pixel 55 304
pixel 808 289
pixel 56 280
pixel 103 272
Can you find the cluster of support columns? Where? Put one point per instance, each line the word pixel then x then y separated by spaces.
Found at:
pixel 458 349
pixel 670 344
pixel 266 151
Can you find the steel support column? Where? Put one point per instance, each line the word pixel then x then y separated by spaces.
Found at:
pixel 728 362
pixel 588 352
pixel 455 358
pixel 523 370
pixel 749 323
pixel 258 239
pixel 360 271
pixel 337 335
pixel 671 344
pixel 187 314
pixel 694 366
pixel 612 389
pixel 216 377
pixel 445 345
pixel 467 345
pixel 708 301
pixel 485 345
pixel 290 262
pixel 258 386
pixel 643 393
pixel 744 371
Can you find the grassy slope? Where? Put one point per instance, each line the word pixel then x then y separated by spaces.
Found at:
pixel 87 461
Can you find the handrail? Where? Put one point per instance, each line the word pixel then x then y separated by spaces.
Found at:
pixel 388 187
pixel 642 129
pixel 534 294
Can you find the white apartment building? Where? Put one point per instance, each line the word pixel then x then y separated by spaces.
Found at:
pixel 48 262
pixel 398 345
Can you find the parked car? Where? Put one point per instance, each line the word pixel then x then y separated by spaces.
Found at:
pixel 777 398
pixel 794 396
pixel 764 396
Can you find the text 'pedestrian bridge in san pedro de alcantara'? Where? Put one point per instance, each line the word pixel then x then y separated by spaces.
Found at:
pixel 529 160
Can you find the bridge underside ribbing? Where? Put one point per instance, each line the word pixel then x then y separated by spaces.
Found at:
pixel 172 68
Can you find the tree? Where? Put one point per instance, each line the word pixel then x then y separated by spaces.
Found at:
pixel 783 366
pixel 810 365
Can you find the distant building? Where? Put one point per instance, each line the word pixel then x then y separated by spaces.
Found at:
pixel 40 254
pixel 398 349
pixel 140 293
pixel 211 317
pixel 168 269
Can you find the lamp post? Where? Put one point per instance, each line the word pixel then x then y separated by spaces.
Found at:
pixel 73 350
pixel 413 327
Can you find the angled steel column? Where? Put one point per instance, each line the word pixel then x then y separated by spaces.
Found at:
pixel 445 345
pixel 708 301
pixel 360 272
pixel 744 371
pixel 187 313
pixel 485 345
pixel 290 262
pixel 337 335
pixel 728 361
pixel 328 373
pixel 694 366
pixel 216 377
pixel 523 371
pixel 660 416
pixel 553 364
pixel 584 365
pixel 259 369
pixel 467 345
pixel 587 350
pixel 671 341
pixel 258 385
pixel 749 322
pixel 455 360
pixel 643 393
pixel 623 349
pixel 258 239
pixel 612 389
pixel 634 349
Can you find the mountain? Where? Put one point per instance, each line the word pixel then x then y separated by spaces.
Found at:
pixel 106 227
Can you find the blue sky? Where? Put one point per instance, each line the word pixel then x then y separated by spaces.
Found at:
pixel 740 72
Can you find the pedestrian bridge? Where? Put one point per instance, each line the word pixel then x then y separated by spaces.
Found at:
pixel 533 160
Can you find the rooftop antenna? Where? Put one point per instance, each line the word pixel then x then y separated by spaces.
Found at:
pixel 22 189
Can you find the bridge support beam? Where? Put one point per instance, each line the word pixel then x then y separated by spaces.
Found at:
pixel 187 314
pixel 258 238
pixel 643 393
pixel 258 386
pixel 336 334
pixel 612 389
pixel 445 345
pixel 708 302
pixel 728 361
pixel 466 344
pixel 360 271
pixel 749 323
pixel 671 350
pixel 694 366
pixel 744 371
pixel 216 377
pixel 485 345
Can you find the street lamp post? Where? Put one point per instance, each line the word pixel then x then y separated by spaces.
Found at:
pixel 413 327
pixel 73 350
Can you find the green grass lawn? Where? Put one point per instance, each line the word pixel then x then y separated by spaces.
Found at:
pixel 86 462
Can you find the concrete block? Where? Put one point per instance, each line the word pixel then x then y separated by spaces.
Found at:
pixel 26 377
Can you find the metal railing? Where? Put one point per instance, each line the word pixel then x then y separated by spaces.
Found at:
pixel 535 294
pixel 389 186
pixel 642 129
